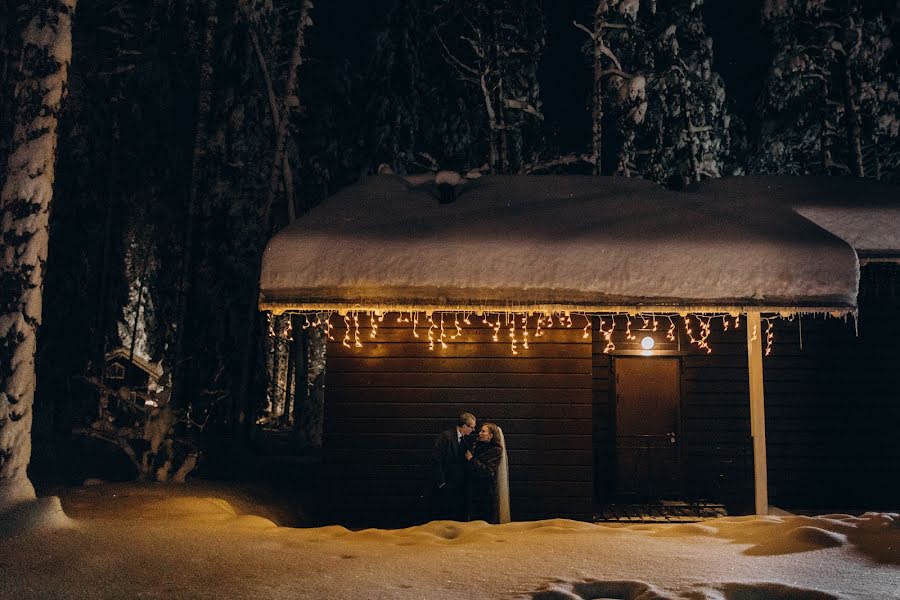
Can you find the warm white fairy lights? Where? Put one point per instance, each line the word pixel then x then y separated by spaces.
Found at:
pixel 770 335
pixel 525 331
pixel 458 327
pixel 523 328
pixel 431 331
pixel 607 334
pixel 346 341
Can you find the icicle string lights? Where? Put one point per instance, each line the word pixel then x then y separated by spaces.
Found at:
pixel 770 335
pixel 697 330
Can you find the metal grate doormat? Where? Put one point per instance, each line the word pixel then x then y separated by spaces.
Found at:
pixel 660 512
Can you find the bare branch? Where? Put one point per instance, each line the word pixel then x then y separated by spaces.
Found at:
pixel 476 47
pixel 584 29
pixel 461 66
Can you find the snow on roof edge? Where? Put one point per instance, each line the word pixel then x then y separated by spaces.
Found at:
pixel 367 245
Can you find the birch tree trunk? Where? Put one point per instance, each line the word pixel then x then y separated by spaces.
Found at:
pixel 498 60
pixel 241 413
pixel 289 101
pixel 597 105
pixel 276 120
pixel 492 123
pixel 25 211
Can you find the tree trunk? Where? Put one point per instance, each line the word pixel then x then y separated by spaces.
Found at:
pixel 137 312
pixel 854 134
pixel 492 123
pixel 290 100
pixel 301 373
pixel 309 414
pixel 273 374
pixel 597 105
pixel 204 102
pixel 501 116
pixel 103 300
pixel 693 143
pixel 25 205
pixel 276 120
pixel 284 417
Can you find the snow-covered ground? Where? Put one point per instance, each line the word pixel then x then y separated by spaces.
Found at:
pixel 132 541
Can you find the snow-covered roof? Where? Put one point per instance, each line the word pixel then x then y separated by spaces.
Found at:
pixel 564 242
pixel 862 212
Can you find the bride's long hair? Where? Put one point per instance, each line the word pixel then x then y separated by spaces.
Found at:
pixel 502 475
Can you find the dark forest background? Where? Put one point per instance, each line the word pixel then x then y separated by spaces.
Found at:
pixel 194 129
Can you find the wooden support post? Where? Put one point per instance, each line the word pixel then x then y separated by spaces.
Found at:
pixel 757 413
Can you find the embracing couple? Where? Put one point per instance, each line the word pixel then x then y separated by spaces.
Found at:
pixel 470 473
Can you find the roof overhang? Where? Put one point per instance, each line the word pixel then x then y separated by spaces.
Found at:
pixel 555 243
pixel 864 213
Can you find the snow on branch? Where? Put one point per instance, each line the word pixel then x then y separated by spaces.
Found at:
pixel 561 161
pixel 524 106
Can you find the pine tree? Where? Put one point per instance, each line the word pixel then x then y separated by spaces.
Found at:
pixel 655 95
pixel 830 103
pixel 685 134
pixel 397 108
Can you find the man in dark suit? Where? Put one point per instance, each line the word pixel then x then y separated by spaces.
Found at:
pixel 448 462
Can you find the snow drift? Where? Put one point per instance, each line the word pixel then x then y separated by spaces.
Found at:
pixel 200 542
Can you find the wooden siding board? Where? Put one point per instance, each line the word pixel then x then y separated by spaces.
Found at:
pixel 457 399
pixel 418 349
pixel 344 364
pixel 496 410
pixel 484 381
pixel 388 400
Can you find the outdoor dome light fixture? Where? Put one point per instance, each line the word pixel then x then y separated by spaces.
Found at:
pixel 647 343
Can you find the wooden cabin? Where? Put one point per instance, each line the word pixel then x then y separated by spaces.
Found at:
pixel 719 345
pixel 124 368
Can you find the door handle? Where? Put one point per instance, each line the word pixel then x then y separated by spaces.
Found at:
pixel 671 435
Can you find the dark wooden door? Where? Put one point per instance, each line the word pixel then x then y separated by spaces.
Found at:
pixel 647 431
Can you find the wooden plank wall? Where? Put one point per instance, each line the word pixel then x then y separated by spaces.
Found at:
pixel 832 409
pixel 604 422
pixel 717 449
pixel 386 402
